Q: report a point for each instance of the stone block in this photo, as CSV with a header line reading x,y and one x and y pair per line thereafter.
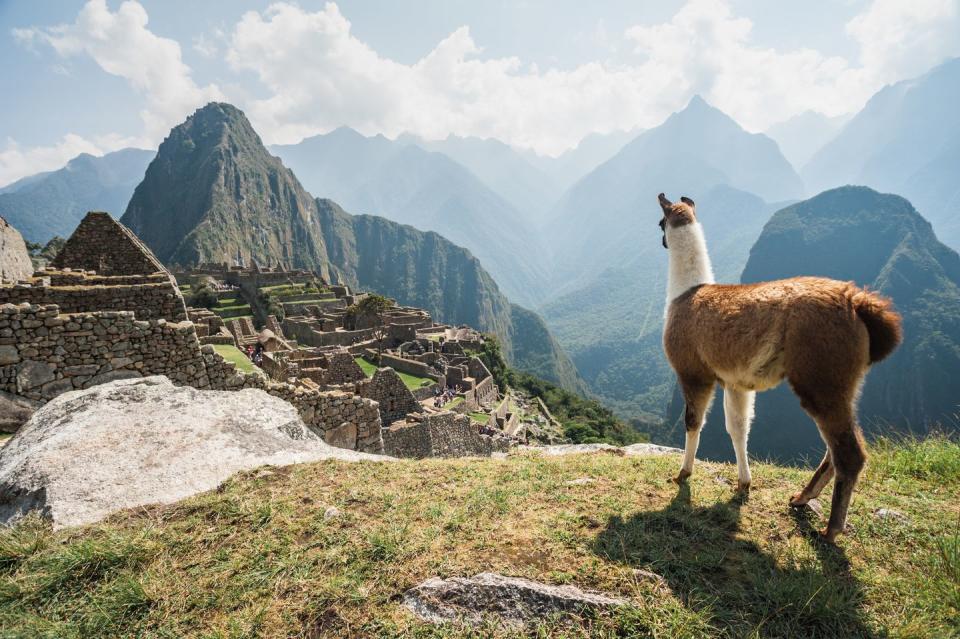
x,y
33,373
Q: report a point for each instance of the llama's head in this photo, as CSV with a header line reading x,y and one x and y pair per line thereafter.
x,y
676,215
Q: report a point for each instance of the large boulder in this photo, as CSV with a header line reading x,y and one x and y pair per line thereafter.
x,y
15,261
133,442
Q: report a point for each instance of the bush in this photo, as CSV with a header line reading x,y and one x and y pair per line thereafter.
x,y
202,297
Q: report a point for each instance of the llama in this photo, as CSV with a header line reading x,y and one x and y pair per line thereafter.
x,y
820,335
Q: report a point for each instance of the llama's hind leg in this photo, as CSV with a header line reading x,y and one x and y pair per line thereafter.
x,y
738,413
698,395
821,477
833,411
849,456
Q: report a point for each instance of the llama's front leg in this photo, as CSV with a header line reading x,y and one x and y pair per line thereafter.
x,y
698,396
738,413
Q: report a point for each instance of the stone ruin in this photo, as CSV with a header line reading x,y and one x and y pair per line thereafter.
x,y
107,309
71,328
317,342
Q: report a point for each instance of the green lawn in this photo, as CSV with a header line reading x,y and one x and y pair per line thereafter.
x,y
257,557
369,368
483,418
232,354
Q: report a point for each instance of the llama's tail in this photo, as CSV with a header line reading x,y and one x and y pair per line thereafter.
x,y
882,322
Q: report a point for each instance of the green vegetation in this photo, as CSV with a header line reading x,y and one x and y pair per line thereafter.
x,y
369,368
233,355
412,382
584,420
481,418
257,557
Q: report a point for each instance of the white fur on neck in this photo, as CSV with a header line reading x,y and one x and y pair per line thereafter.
x,y
689,261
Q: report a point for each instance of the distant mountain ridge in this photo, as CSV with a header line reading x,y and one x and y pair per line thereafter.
x,y
53,203
213,190
906,140
405,183
609,267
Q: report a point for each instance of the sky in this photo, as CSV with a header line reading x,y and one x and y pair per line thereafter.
x,y
92,76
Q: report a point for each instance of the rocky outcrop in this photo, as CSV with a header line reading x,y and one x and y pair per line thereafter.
x,y
14,409
129,443
633,450
14,259
514,601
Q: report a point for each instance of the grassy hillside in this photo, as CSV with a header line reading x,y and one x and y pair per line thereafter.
x,y
257,557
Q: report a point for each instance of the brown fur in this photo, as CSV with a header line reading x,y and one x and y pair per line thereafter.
x,y
820,335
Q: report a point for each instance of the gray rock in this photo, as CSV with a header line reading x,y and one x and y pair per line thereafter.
x,y
343,436
514,601
8,354
14,259
15,411
889,514
32,373
650,449
331,512
129,443
557,450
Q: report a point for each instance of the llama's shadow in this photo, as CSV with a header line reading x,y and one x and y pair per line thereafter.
x,y
744,591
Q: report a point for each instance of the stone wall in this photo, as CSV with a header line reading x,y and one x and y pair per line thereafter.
x,y
410,366
391,394
44,353
15,261
102,244
343,369
153,297
440,435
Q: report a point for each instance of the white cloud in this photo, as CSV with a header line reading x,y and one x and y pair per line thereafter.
x,y
318,75
17,162
122,45
321,76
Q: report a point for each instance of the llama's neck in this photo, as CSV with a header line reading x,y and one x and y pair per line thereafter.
x,y
689,261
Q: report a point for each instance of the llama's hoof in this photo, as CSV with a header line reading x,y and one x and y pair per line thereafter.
x,y
798,501
829,535
743,487
681,477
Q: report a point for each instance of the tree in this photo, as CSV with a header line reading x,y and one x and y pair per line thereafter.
x,y
370,312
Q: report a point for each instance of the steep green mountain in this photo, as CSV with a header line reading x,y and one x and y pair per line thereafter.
x,y
601,221
213,190
880,241
612,327
905,140
407,184
53,203
424,269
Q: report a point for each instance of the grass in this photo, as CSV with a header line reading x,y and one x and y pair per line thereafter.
x,y
369,368
256,557
412,382
233,355
482,418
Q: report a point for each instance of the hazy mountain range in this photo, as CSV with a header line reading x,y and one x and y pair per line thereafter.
x,y
405,183
53,203
213,191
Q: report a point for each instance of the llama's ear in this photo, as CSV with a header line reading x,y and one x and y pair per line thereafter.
x,y
664,202
688,201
